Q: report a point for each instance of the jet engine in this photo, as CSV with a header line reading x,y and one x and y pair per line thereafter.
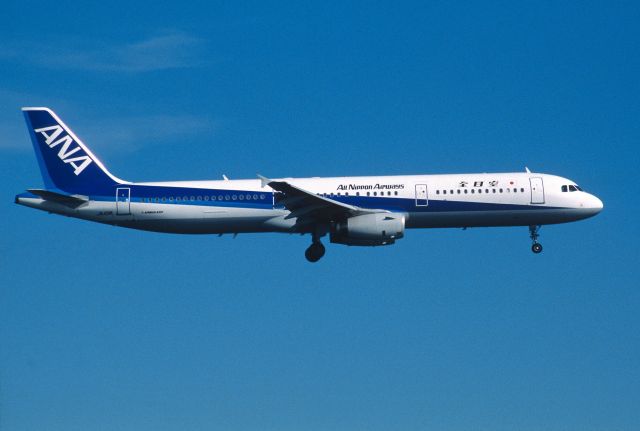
x,y
369,229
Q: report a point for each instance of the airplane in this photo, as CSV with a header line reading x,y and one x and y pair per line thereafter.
x,y
354,211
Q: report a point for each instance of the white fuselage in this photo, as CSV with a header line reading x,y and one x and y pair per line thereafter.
x,y
426,201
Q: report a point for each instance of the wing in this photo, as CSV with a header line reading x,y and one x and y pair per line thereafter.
x,y
308,206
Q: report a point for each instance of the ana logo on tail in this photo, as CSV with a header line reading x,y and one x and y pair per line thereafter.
x,y
79,161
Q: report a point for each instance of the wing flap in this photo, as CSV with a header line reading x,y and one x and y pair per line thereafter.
x,y
304,204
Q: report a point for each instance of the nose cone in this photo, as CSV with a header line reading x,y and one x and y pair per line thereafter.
x,y
592,205
597,203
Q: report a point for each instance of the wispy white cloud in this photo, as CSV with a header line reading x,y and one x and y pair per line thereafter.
x,y
117,135
104,133
166,51
13,137
13,132
128,134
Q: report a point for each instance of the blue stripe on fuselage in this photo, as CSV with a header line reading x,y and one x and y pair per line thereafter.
x,y
405,205
221,197
196,196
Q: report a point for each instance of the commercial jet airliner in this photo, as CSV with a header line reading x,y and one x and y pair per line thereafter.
x,y
358,211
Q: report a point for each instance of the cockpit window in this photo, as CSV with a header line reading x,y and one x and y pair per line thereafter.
x,y
578,187
564,188
572,188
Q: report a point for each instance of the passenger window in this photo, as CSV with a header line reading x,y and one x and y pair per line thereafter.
x,y
199,198
395,193
522,190
479,190
466,191
444,192
255,197
472,191
458,191
262,196
437,192
500,190
486,190
234,197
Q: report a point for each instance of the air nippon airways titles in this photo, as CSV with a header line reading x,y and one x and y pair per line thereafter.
x,y
357,211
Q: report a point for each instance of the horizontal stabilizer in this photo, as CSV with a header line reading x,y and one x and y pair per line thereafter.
x,y
69,200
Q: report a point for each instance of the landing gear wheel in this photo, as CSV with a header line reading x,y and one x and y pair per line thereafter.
x,y
315,252
533,234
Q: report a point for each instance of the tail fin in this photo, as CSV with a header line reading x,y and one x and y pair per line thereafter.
x,y
65,162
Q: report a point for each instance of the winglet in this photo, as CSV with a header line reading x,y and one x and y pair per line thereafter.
x,y
527,170
264,181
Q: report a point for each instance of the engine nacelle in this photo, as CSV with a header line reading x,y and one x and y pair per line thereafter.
x,y
369,229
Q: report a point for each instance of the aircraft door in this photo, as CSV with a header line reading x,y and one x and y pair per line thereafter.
x,y
123,201
537,190
422,199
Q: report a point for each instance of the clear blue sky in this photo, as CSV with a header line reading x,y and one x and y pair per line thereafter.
x,y
109,329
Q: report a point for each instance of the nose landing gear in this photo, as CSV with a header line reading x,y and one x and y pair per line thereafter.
x,y
536,247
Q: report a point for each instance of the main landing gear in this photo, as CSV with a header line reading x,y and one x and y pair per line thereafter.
x,y
536,247
316,250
